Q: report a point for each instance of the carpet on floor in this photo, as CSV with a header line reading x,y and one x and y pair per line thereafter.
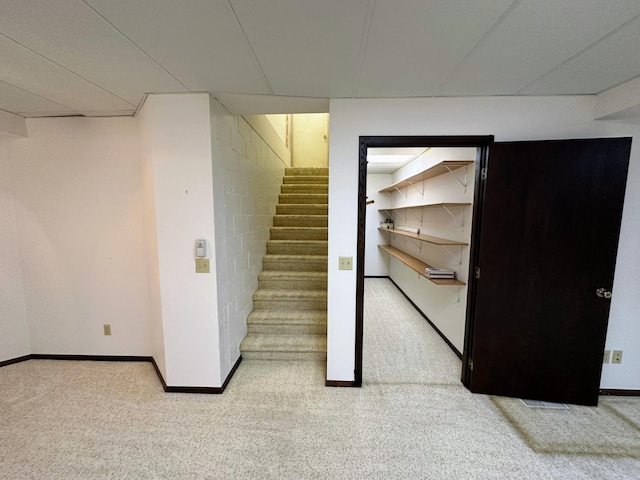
x,y
611,429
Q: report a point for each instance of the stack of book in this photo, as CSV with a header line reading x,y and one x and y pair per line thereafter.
x,y
439,273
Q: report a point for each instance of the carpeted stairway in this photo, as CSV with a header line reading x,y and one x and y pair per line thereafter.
x,y
289,318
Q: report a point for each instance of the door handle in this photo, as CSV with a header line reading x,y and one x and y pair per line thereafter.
x,y
603,293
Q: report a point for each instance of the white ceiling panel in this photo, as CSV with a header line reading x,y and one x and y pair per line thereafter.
x,y
29,71
306,47
73,35
611,62
537,36
413,45
198,41
27,104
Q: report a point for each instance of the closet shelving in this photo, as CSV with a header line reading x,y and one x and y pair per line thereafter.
x,y
417,265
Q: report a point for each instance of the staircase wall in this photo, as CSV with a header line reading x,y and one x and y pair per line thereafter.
x,y
248,165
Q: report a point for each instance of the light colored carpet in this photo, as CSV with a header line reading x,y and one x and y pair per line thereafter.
x,y
276,420
609,429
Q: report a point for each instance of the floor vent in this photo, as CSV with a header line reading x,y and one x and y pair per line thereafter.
x,y
541,404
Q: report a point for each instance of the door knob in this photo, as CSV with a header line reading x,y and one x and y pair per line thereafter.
x,y
603,293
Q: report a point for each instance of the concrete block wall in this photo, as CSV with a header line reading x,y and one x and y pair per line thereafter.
x,y
247,178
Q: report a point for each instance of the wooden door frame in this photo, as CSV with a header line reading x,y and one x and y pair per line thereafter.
x,y
481,143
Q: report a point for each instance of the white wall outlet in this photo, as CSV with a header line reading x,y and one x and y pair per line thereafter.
x,y
106,328
345,263
617,356
607,356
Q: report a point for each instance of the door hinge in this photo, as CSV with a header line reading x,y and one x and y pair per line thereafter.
x,y
471,364
483,174
477,272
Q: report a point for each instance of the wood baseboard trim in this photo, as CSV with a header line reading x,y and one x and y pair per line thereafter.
x,y
619,393
455,350
11,361
127,358
91,358
205,390
342,383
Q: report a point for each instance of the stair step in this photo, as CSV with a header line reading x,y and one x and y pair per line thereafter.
x,y
300,220
299,198
278,280
264,346
306,179
299,233
300,263
290,300
304,189
297,171
302,209
287,321
297,247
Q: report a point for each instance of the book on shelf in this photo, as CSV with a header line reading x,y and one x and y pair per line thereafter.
x,y
439,273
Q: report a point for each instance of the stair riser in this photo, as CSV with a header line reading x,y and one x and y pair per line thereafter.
x,y
287,329
292,198
287,233
297,356
306,180
290,304
298,266
300,221
296,249
307,209
305,189
313,171
292,284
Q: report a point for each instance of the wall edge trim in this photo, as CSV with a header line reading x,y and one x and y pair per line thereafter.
x,y
342,383
11,361
619,392
455,350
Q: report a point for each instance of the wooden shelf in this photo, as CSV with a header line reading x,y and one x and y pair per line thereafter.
x,y
417,265
423,238
424,205
438,169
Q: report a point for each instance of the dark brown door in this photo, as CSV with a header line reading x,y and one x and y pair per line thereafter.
x,y
548,227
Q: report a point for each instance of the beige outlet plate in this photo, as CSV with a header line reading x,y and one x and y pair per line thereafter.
x,y
607,356
616,356
202,265
106,328
345,263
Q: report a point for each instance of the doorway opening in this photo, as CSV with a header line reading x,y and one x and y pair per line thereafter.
x,y
408,246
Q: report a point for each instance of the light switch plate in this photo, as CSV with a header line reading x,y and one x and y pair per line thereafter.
x,y
202,265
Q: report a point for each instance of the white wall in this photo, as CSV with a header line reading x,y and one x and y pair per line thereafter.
x,y
309,142
376,263
78,210
14,329
247,174
177,141
507,118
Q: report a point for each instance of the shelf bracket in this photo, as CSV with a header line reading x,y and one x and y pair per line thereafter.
x,y
404,195
458,260
462,182
446,209
419,218
417,189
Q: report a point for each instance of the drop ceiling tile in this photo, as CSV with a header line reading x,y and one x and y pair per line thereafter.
x,y
611,62
198,42
73,35
27,104
29,71
306,48
537,36
414,45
